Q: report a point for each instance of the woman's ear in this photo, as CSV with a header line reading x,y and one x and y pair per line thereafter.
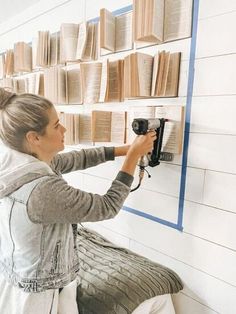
x,y
32,138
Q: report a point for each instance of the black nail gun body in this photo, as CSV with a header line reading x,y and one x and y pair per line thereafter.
x,y
142,126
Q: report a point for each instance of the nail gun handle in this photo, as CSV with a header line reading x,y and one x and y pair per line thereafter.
x,y
157,145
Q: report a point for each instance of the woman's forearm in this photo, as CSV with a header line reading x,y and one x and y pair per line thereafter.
x,y
121,150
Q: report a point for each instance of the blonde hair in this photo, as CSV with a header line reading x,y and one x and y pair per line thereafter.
x,y
20,114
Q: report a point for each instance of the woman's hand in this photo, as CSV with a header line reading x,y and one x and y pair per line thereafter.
x,y
142,145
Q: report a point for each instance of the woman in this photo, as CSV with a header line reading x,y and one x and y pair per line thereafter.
x,y
38,208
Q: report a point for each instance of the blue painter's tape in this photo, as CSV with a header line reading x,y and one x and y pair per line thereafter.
x,y
179,225
116,12
150,217
188,113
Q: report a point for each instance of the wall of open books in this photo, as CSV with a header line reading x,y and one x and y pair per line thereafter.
x,y
202,47
81,65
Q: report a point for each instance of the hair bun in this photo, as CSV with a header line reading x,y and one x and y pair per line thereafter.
x,y
5,96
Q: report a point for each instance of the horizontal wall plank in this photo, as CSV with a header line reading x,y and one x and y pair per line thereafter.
x,y
215,76
106,233
213,114
210,223
212,152
206,9
215,32
220,190
194,184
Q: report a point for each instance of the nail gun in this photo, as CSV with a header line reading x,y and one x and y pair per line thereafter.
x,y
141,126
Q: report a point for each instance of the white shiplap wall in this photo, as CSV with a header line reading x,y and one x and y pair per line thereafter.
x,y
204,254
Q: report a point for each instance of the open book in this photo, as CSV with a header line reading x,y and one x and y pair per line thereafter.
x,y
87,44
22,57
174,127
43,49
146,76
91,81
95,126
78,42
157,21
55,84
108,126
30,83
115,31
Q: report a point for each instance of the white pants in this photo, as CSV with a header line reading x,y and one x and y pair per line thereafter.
x,y
16,301
161,304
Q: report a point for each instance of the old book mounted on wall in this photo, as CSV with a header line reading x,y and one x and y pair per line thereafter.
x,y
115,31
158,21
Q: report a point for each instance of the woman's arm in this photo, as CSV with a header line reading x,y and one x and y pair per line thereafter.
x,y
85,158
53,200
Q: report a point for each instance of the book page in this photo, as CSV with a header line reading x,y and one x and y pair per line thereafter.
x,y
101,126
161,65
166,59
173,132
9,62
123,32
82,38
22,57
107,30
68,41
104,81
178,19
54,49
88,50
114,82
95,44
148,20
41,84
157,29
27,58
91,81
61,86
76,128
74,93
172,83
127,75
85,129
118,127
21,85
155,74
145,63
30,82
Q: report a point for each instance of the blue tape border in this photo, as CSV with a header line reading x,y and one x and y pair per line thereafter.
x,y
188,113
179,224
